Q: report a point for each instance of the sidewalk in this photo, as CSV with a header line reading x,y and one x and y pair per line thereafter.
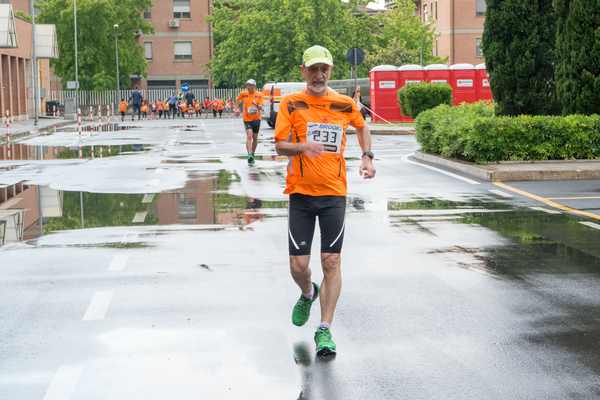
x,y
387,129
21,128
518,171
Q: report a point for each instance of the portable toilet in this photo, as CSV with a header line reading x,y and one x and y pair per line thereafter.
x,y
384,85
437,73
484,91
408,75
462,80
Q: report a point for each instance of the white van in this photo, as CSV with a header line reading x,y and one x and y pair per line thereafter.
x,y
272,94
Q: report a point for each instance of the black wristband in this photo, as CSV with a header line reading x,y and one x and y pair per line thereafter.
x,y
369,154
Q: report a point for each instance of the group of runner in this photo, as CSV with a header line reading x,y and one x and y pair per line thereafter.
x,y
183,106
311,130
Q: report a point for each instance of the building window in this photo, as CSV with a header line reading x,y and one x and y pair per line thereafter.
x,y
181,9
183,50
478,51
425,13
481,7
148,14
148,50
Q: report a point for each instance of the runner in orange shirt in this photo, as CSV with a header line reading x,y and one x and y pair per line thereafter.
x,y
251,102
123,105
311,131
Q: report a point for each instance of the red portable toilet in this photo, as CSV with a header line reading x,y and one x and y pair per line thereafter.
x,y
484,91
384,85
462,80
407,75
437,73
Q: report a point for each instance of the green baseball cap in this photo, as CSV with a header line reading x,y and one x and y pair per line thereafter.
x,y
317,55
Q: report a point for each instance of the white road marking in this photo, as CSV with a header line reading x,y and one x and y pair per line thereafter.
x,y
501,193
591,225
148,198
441,171
64,383
118,263
98,306
546,210
139,217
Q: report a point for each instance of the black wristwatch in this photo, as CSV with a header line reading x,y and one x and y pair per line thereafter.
x,y
369,154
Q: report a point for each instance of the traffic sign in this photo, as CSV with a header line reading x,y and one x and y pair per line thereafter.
x,y
185,87
355,56
72,85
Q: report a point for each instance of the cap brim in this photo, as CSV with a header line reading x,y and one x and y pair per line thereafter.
x,y
318,61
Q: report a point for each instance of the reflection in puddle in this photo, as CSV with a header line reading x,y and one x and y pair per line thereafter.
x,y
203,201
29,152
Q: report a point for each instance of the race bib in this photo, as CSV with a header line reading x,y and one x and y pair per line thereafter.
x,y
329,135
252,110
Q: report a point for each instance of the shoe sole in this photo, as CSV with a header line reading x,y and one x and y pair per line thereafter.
x,y
326,354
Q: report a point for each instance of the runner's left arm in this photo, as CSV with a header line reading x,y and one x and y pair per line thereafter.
x,y
363,134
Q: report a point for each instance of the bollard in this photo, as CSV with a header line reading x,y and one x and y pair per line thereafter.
x,y
79,121
54,111
7,121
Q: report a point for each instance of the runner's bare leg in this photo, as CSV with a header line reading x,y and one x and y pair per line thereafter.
x,y
254,142
249,140
299,267
331,286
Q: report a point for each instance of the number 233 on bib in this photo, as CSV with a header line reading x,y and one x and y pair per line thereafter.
x,y
329,135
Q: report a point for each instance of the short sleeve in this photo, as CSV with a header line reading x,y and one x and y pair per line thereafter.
x,y
283,126
261,99
240,98
355,118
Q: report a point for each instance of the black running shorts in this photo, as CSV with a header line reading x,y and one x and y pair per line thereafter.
x,y
304,210
254,125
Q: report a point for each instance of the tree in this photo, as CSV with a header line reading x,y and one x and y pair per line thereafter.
x,y
264,39
518,45
578,55
96,43
403,38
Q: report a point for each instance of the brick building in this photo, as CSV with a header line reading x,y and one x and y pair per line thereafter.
x,y
458,25
181,46
16,87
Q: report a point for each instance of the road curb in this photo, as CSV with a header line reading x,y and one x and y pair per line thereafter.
x,y
517,171
386,132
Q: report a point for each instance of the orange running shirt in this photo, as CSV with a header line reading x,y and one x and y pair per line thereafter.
x,y
123,106
251,103
304,118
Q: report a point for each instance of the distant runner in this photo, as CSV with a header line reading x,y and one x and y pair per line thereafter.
x,y
311,131
251,103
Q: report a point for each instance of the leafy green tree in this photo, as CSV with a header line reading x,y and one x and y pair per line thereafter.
x,y
96,39
578,55
264,39
403,38
518,45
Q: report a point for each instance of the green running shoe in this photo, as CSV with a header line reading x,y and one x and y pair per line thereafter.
x,y
250,159
325,344
301,310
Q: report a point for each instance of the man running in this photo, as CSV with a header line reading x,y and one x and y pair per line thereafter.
x,y
311,131
251,103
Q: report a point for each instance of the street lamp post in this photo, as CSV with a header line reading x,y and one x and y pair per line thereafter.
x,y
116,27
76,57
34,69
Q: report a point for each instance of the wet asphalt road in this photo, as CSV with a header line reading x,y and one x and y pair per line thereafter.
x,y
178,287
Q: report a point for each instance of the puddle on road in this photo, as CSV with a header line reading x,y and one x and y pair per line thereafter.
x,y
539,242
37,152
89,126
203,201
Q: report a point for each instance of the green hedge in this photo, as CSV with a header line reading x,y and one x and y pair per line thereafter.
x,y
471,132
414,99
